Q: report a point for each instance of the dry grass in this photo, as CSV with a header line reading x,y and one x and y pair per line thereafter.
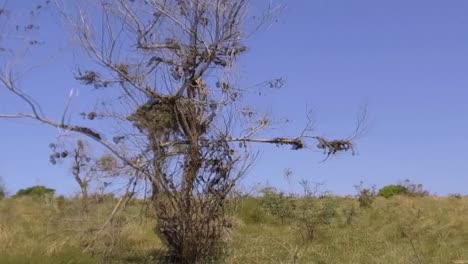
x,y
396,230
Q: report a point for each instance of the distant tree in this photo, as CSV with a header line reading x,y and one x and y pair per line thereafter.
x,y
35,191
80,163
85,168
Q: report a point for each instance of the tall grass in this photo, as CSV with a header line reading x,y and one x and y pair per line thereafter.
x,y
395,230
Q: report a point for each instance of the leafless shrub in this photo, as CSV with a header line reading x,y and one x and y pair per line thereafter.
x,y
169,61
414,189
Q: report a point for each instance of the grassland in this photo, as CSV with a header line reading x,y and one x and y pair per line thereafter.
x,y
395,230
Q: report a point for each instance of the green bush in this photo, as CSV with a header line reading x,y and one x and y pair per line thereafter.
x,y
277,204
392,190
314,213
35,191
406,188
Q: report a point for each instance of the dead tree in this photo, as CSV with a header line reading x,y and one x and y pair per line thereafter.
x,y
81,165
169,62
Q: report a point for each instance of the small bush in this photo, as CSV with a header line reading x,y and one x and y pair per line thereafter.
x,y
350,215
406,188
60,202
313,213
414,190
2,190
392,190
35,191
455,195
365,196
277,204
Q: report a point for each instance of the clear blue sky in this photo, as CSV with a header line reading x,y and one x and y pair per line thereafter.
x,y
408,60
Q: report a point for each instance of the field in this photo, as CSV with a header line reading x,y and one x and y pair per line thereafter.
x,y
395,230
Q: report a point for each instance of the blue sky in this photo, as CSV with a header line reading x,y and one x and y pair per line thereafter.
x,y
407,60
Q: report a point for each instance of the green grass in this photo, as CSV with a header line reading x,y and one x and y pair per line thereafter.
x,y
395,230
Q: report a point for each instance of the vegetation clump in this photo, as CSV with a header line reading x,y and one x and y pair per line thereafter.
x,y
392,190
406,188
277,204
365,196
313,214
37,191
2,191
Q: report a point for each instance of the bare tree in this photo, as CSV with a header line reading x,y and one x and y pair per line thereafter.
x,y
81,166
86,168
169,62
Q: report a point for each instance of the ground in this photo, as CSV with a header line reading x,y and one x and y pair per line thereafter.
x,y
395,230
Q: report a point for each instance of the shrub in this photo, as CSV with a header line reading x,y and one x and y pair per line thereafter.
x,y
414,190
277,204
35,191
455,195
60,202
392,190
405,188
2,190
313,213
365,196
